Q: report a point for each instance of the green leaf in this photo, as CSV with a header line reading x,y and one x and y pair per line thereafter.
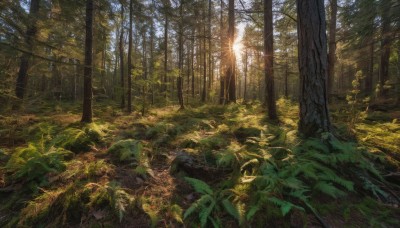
x,y
231,209
199,185
252,211
328,189
197,205
205,213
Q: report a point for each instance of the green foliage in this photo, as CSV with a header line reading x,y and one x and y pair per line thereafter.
x,y
114,196
242,133
80,140
150,211
214,142
354,100
199,186
131,150
289,177
209,204
33,163
126,150
61,206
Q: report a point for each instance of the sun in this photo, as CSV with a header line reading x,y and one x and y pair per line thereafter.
x,y
237,47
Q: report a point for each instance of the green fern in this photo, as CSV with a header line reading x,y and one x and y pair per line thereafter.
x,y
231,209
201,202
200,186
32,163
131,150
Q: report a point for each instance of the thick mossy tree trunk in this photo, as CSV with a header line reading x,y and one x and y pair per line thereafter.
x,y
314,116
269,60
31,31
87,73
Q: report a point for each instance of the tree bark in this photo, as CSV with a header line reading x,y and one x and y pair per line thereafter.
x,y
204,92
385,47
332,48
88,70
222,59
180,50
121,58
245,75
210,67
151,70
231,79
286,78
269,60
31,31
166,25
130,67
370,74
314,115
192,61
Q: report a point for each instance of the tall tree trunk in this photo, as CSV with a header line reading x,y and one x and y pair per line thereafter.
x,y
210,67
152,60
314,116
188,71
286,77
180,50
130,67
269,60
222,59
232,58
192,57
385,47
121,58
204,52
370,74
332,47
88,70
144,65
245,74
31,32
164,90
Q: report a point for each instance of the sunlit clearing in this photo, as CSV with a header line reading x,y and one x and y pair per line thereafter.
x,y
237,47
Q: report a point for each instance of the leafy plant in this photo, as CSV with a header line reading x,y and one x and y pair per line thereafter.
x,y
130,150
209,202
33,163
75,200
353,100
79,140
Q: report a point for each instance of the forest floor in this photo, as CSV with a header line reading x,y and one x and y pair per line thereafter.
x,y
207,165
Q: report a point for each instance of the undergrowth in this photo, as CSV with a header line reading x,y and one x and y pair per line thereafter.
x,y
253,172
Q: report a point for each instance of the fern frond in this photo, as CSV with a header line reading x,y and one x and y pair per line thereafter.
x,y
199,185
201,202
285,206
231,209
205,213
329,189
